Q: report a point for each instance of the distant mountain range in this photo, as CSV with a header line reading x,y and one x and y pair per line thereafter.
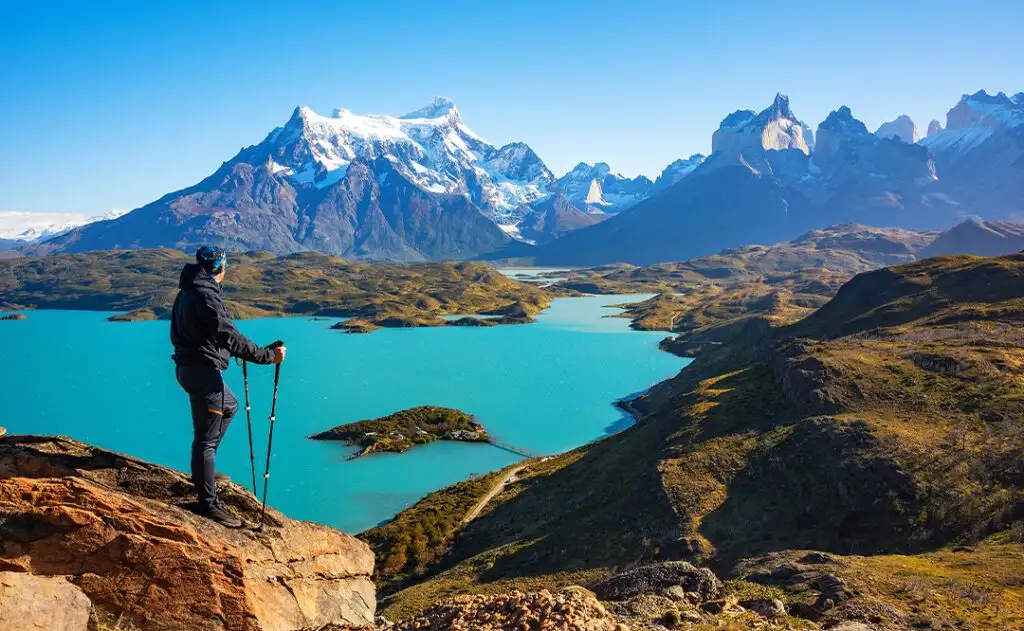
x,y
415,187
425,186
770,179
19,228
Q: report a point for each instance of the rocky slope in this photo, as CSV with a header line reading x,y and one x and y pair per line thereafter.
x,y
983,238
673,595
884,430
91,537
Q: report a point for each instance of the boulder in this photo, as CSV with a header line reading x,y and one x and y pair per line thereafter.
x,y
657,578
765,607
42,602
121,531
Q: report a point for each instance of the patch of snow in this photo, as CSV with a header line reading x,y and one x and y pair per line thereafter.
x,y
957,140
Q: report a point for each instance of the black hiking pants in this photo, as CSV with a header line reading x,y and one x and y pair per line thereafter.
x,y
213,407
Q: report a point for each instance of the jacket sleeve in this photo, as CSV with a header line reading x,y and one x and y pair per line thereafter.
x,y
227,336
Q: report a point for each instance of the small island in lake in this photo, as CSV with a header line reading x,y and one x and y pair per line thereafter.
x,y
404,429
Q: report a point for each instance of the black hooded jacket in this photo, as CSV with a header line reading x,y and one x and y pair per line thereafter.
x,y
201,329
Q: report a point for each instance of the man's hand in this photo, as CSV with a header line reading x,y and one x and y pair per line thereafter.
x,y
279,353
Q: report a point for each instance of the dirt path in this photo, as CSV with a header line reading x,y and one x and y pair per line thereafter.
x,y
498,488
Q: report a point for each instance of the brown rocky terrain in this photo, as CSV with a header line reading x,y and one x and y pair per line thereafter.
x,y
673,595
91,539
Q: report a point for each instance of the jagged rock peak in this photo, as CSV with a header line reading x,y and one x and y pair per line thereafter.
x,y
842,121
901,128
742,134
780,106
934,127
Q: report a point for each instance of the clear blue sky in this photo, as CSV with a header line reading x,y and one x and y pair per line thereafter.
x,y
112,104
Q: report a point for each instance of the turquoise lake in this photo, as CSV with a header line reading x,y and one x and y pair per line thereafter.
x,y
547,387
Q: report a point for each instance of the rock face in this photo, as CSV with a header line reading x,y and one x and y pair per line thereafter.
x,y
934,127
119,530
902,128
42,602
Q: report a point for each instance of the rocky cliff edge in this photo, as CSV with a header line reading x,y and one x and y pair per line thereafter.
x,y
110,542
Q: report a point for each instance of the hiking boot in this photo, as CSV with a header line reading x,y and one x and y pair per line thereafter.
x,y
222,516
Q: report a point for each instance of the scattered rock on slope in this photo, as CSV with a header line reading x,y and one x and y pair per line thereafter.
x,y
119,530
574,609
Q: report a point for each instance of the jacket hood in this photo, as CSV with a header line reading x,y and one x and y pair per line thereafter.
x,y
193,275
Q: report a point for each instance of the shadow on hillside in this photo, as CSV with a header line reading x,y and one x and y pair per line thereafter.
x,y
607,508
826,485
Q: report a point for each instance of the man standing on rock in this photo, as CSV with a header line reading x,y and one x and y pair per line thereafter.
x,y
204,341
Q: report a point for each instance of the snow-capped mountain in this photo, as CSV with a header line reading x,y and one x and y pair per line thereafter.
x,y
744,135
974,120
979,156
29,227
598,189
425,186
902,127
431,147
413,187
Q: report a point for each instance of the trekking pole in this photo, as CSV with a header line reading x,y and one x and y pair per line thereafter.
x,y
248,424
270,437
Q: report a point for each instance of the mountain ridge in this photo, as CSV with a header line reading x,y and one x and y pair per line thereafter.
x,y
424,186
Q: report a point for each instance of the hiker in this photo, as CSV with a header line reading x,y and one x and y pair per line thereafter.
x,y
204,340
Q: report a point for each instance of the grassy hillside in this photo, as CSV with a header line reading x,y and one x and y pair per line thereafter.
x,y
711,299
258,284
886,429
844,250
